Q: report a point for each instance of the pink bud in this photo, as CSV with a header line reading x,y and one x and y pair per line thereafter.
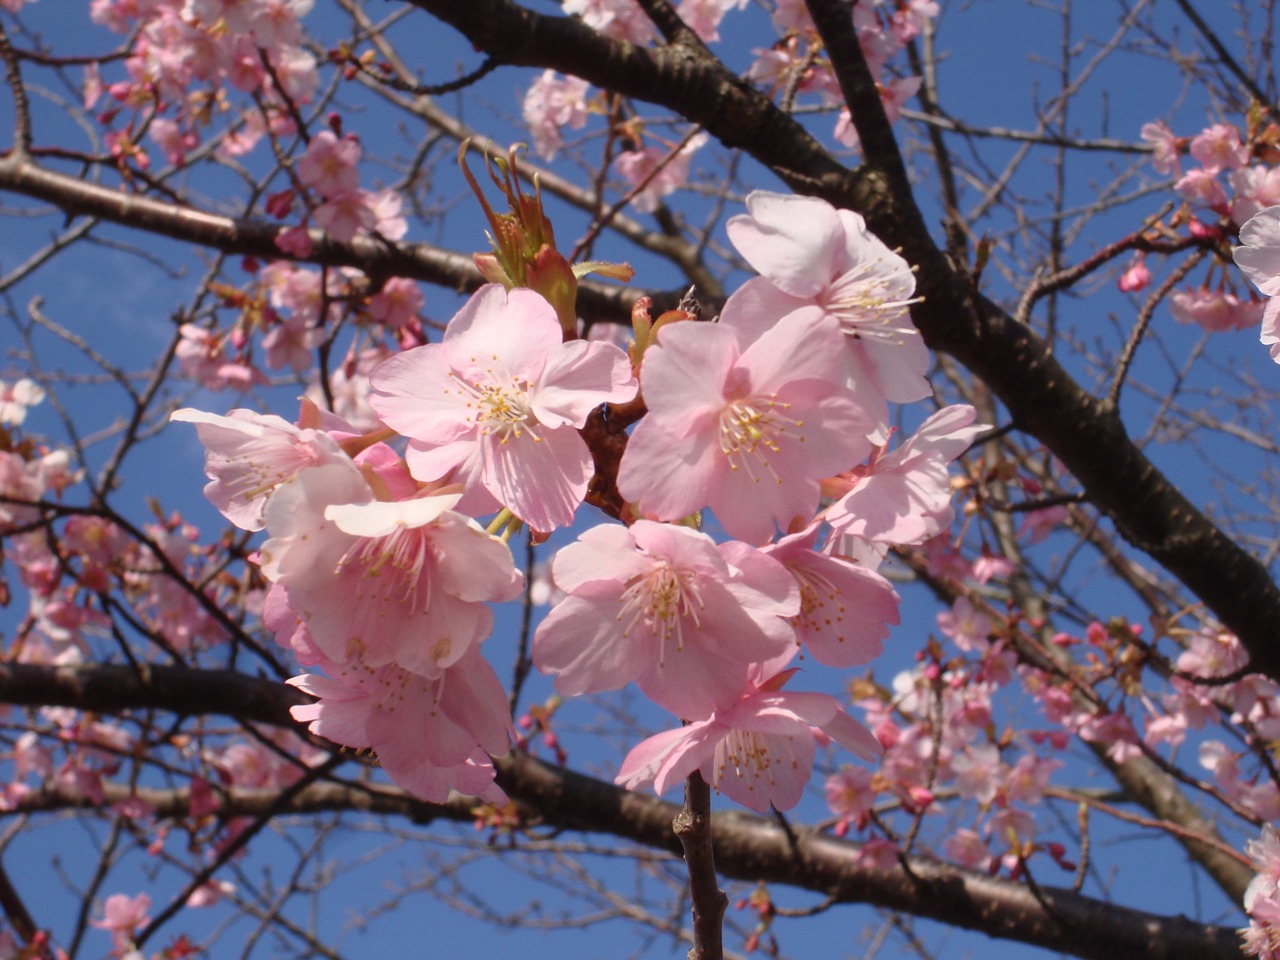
x,y
1137,276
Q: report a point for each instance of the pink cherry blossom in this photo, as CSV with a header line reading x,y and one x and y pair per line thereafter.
x,y
551,104
291,343
397,303
817,260
662,606
275,23
966,625
430,735
850,796
966,848
909,19
1202,187
16,397
1137,276
1038,524
386,206
704,16
660,173
1256,188
1165,149
345,215
248,455
759,751
500,401
893,97
748,432
329,165
621,19
990,565
1258,255
1259,258
379,582
122,915
845,610
1215,310
905,496
1219,148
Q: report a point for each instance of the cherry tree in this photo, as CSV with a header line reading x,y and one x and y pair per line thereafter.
x,y
766,477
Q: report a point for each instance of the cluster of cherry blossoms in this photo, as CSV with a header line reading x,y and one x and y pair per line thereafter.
x,y
774,419
1233,175
794,65
187,55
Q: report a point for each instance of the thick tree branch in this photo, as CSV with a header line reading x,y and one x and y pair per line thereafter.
x,y
746,847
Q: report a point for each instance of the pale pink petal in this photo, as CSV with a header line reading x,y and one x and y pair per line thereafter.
x,y
505,331
693,681
645,760
414,394
542,479
670,480
1259,257
603,553
684,373
795,241
578,378
804,346
580,644
757,305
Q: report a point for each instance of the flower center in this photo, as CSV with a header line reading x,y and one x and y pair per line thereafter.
x,y
501,407
392,567
750,431
746,754
662,600
872,300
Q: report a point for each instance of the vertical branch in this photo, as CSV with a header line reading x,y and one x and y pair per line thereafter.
x,y
692,826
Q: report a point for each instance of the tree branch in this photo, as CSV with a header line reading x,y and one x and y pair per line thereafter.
x,y
746,847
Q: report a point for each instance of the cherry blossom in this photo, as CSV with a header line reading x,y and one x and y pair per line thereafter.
x,y
248,455
704,16
380,582
759,751
749,432
1215,310
1258,256
1256,188
552,103
905,496
816,260
122,915
662,606
660,173
345,215
622,19
1219,148
16,397
430,735
500,401
397,303
1165,146
1136,276
850,796
845,609
1202,187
